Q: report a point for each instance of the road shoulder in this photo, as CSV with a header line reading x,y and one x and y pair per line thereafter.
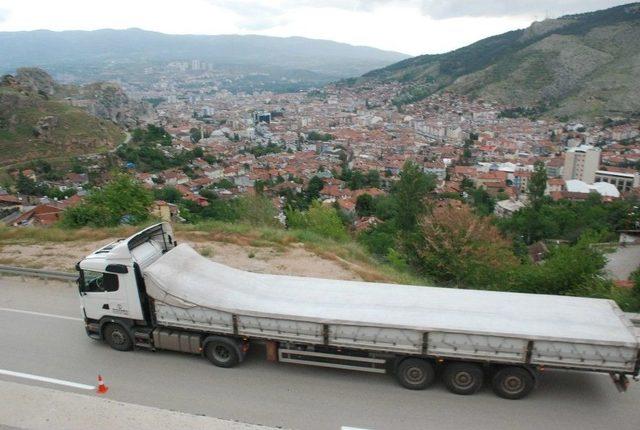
x,y
35,408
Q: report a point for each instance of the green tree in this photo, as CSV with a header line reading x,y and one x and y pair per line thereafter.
x,y
313,189
537,184
567,270
257,210
410,193
224,183
168,194
364,205
123,200
321,219
461,247
482,201
25,185
195,134
373,178
357,180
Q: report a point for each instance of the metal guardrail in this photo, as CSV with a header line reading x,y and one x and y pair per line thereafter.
x,y
37,273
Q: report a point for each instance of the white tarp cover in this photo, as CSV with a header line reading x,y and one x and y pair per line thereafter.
x,y
184,278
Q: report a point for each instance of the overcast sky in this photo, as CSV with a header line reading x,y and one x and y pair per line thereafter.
x,y
411,26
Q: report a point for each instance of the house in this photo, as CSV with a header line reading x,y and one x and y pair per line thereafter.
x,y
506,208
187,194
347,205
76,179
175,177
43,214
7,201
365,223
555,185
146,179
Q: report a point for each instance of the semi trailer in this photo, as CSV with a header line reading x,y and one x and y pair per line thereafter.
x,y
148,292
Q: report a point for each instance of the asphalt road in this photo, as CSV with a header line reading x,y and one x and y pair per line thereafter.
x,y
290,396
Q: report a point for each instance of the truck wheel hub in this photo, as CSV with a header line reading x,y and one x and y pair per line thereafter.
x,y
463,380
512,384
415,375
221,353
117,337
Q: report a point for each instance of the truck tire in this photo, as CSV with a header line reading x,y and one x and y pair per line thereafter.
x,y
222,352
463,378
117,337
513,382
415,373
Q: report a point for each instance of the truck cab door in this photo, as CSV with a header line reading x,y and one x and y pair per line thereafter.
x,y
101,294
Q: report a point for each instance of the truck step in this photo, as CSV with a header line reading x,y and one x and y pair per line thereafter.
x,y
143,338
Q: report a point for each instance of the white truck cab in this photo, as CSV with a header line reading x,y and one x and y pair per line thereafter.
x,y
110,278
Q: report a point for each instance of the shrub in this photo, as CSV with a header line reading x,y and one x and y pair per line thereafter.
x,y
123,200
320,219
257,211
455,245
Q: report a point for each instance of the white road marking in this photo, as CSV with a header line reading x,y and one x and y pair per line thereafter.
x,y
40,314
46,379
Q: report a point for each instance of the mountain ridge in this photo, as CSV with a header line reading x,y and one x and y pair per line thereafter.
x,y
583,64
43,48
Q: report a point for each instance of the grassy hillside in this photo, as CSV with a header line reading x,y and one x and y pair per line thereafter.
x,y
32,126
583,65
349,255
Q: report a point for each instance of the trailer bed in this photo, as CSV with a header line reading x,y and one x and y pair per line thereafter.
x,y
193,292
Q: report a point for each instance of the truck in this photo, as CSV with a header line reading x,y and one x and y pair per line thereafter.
x,y
148,292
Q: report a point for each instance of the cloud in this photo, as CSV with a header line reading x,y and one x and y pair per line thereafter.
x,y
4,14
436,9
442,9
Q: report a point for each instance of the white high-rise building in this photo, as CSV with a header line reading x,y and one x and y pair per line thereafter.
x,y
581,162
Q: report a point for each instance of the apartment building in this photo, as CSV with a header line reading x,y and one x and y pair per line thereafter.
x,y
581,162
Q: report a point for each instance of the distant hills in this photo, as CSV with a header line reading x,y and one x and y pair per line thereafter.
x,y
73,50
38,118
582,65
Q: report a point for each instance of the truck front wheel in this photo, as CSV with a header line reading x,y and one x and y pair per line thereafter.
x,y
117,337
222,353
513,382
415,373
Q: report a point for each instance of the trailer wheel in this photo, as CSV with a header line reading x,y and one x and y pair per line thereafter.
x,y
415,373
513,382
463,378
117,337
222,353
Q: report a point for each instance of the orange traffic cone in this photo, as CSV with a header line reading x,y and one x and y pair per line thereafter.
x,y
101,387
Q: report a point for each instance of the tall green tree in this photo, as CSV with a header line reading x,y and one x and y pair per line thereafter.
x,y
313,189
537,184
364,205
409,193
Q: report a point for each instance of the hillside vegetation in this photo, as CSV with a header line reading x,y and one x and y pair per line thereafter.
x,y
36,124
419,236
579,65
